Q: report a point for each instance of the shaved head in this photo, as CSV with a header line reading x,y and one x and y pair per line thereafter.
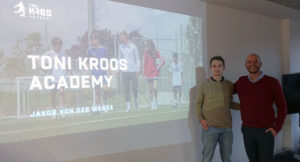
x,y
253,63
254,55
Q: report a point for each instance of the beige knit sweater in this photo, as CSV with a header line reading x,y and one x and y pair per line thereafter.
x,y
213,103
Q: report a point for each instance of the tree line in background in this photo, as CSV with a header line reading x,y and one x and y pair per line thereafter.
x,y
15,64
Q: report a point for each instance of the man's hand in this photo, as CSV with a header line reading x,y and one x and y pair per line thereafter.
x,y
274,133
204,124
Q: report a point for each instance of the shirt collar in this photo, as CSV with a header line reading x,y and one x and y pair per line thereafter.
x,y
257,79
211,78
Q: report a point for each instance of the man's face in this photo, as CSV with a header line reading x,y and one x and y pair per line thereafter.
x,y
217,68
253,64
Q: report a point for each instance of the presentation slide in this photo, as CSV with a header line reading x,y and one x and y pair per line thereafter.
x,y
76,66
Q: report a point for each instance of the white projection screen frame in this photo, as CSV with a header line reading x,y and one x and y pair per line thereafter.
x,y
80,120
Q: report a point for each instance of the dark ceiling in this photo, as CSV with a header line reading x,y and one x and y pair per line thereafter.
x,y
295,4
279,9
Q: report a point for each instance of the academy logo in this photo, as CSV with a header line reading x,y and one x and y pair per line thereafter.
x,y
20,9
32,11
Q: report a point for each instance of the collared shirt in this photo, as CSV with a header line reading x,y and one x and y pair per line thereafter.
x,y
212,78
257,79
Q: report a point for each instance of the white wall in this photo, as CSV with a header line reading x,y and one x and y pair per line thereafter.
x,y
285,40
295,46
234,34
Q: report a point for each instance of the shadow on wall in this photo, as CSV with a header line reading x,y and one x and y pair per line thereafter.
x,y
194,125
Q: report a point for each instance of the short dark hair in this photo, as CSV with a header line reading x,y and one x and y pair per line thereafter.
x,y
218,58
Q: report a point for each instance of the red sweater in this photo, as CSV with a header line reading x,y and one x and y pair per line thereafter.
x,y
257,100
151,68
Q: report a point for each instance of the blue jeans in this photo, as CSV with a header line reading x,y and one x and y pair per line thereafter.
x,y
211,137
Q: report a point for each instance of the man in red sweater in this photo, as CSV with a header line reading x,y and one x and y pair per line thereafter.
x,y
257,93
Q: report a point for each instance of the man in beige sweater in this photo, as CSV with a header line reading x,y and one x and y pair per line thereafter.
x,y
213,104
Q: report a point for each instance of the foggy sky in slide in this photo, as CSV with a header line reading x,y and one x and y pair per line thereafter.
x,y
69,20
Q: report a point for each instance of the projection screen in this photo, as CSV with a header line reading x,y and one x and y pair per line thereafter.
x,y
77,66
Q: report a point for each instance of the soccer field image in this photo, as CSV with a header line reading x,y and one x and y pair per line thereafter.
x,y
13,130
98,69
29,114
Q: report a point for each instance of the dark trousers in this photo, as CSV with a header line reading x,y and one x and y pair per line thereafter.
x,y
130,79
259,145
